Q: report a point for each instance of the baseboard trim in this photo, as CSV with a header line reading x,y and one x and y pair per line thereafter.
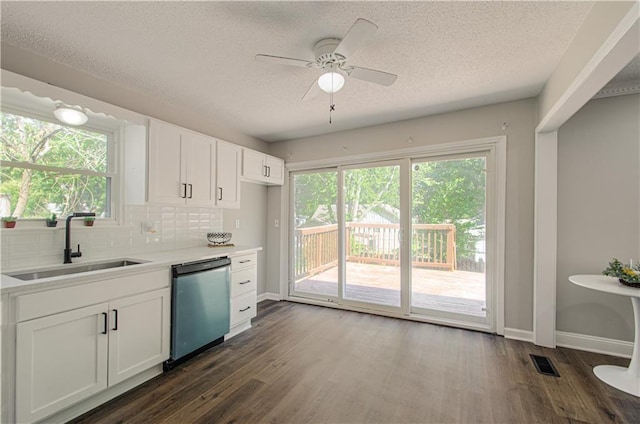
x,y
515,334
268,296
594,344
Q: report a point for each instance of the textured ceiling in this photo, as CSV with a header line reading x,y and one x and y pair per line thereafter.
x,y
200,55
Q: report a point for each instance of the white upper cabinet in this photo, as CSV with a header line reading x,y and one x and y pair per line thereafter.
x,y
198,169
188,168
165,164
262,168
228,158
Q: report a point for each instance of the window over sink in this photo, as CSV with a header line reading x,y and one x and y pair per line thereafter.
x,y
51,168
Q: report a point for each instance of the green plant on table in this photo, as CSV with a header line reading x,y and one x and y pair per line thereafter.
x,y
9,219
627,273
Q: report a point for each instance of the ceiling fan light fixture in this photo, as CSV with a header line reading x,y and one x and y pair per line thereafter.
x,y
70,115
330,82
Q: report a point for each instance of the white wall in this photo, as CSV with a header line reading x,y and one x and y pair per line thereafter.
x,y
253,224
598,212
467,124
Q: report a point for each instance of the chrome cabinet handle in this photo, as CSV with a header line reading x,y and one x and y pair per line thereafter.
x,y
245,261
264,170
245,309
245,282
268,171
190,191
220,188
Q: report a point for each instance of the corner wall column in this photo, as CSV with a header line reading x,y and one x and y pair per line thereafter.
x,y
545,238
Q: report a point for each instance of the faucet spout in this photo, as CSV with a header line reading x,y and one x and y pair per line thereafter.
x,y
68,253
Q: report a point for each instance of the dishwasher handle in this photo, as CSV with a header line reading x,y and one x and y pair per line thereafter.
x,y
199,266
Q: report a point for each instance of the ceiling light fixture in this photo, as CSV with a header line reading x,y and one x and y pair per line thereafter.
x,y
70,115
330,82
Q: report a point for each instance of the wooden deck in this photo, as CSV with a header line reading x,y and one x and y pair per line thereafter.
x,y
451,291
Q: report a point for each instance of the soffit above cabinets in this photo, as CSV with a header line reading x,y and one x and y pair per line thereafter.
x,y
199,56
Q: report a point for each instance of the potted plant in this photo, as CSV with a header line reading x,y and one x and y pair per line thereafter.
x,y
52,220
89,220
9,221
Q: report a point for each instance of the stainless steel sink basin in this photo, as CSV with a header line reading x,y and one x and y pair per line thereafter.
x,y
47,273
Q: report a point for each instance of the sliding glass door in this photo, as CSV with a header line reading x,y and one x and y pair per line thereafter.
x,y
315,235
349,246
448,238
371,212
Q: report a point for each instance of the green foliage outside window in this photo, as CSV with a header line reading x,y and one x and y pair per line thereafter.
x,y
443,192
50,168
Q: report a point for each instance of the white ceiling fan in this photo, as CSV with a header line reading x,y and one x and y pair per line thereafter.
x,y
331,56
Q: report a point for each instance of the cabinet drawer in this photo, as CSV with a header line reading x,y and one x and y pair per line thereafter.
x,y
243,308
244,261
243,281
48,302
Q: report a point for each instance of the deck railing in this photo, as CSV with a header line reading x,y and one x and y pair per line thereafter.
x,y
316,248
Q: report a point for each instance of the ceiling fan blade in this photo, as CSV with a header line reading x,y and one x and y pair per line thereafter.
x,y
282,60
358,34
312,92
370,75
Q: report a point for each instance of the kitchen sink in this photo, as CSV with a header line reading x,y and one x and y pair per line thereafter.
x,y
56,272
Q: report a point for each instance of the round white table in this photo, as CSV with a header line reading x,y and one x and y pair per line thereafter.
x,y
625,379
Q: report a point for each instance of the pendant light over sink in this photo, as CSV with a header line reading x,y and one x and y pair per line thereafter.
x,y
70,115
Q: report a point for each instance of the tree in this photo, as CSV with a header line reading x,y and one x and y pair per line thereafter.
x,y
38,192
453,192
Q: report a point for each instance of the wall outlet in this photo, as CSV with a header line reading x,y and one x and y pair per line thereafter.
x,y
237,224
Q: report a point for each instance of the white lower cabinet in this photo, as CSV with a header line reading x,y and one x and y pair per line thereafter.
x,y
244,275
137,336
66,357
60,359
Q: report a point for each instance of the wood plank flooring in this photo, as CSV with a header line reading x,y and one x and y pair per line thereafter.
x,y
308,364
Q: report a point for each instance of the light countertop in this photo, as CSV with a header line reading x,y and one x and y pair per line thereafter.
x,y
150,261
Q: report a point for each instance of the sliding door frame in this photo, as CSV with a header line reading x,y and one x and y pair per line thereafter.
x,y
497,146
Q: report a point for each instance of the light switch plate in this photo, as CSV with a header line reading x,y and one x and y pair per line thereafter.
x,y
237,224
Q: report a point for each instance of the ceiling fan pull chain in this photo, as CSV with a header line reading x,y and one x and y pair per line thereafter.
x,y
332,105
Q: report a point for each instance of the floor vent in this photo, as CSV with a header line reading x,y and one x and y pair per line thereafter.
x,y
544,365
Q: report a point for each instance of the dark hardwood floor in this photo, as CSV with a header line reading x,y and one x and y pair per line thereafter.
x,y
309,364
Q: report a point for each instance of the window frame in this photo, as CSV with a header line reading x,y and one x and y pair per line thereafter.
x,y
114,136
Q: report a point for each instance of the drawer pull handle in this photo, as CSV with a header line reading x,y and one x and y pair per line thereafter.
x,y
245,261
245,282
106,325
245,309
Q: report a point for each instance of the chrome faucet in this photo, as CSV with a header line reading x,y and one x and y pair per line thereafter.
x,y
68,253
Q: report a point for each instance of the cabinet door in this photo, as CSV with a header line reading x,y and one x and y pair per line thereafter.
x,y
60,360
275,170
166,164
200,162
228,175
253,166
138,333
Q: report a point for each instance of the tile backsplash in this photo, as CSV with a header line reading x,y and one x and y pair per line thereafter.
x,y
165,228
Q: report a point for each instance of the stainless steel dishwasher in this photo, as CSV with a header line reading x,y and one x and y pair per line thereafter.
x,y
200,307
